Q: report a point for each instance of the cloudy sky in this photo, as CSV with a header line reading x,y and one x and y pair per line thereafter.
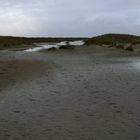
x,y
69,17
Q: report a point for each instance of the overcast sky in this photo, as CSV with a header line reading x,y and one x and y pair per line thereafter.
x,y
69,17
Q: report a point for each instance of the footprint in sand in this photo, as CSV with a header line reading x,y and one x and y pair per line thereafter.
x,y
111,132
16,111
32,99
41,116
117,111
138,125
7,135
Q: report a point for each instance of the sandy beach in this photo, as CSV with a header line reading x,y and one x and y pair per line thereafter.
x,y
90,93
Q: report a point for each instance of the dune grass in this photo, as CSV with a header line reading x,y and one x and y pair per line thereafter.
x,y
113,39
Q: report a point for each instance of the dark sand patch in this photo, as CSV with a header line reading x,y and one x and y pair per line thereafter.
x,y
19,70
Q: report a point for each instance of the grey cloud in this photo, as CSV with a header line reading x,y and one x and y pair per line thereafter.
x,y
69,18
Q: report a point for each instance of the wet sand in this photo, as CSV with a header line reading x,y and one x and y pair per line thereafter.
x,y
82,94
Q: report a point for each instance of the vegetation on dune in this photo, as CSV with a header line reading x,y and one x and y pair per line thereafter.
x,y
8,41
113,39
119,41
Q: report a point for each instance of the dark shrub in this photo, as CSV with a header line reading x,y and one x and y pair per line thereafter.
x,y
119,46
67,47
130,48
52,49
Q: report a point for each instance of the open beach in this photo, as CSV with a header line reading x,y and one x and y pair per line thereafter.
x,y
89,93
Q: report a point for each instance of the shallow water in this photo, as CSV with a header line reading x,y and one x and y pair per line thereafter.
x,y
136,65
42,47
56,45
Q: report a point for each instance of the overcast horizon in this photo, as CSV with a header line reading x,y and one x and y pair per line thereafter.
x,y
66,18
